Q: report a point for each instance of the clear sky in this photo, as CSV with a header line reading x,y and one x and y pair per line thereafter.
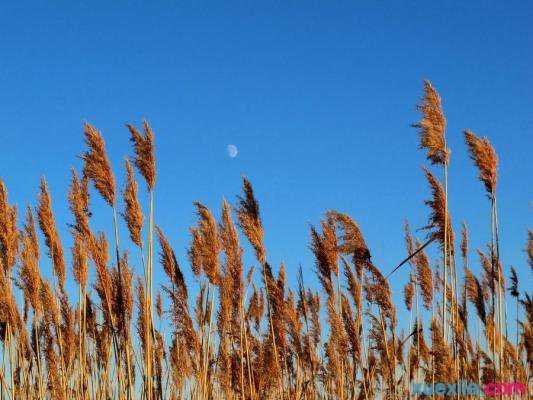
x,y
317,96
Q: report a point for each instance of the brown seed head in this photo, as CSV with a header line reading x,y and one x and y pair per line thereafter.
x,y
256,308
423,273
49,302
474,293
233,267
80,260
78,198
133,213
205,245
170,264
122,296
377,290
439,219
30,276
351,241
104,281
142,319
323,260
143,145
432,126
408,293
48,227
31,233
513,289
97,167
485,158
9,234
424,277
250,220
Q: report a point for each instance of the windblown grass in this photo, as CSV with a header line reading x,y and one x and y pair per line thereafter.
x,y
242,339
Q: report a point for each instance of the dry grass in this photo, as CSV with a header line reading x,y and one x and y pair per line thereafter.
x,y
238,339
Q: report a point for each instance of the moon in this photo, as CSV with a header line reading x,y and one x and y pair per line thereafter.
x,y
232,150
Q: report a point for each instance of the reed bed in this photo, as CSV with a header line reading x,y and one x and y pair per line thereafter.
x,y
243,333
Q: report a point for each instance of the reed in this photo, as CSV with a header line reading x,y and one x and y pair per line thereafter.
x,y
225,334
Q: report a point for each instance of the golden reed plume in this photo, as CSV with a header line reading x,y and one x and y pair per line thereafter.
x,y
485,158
133,213
439,219
143,145
250,220
52,239
97,167
9,234
432,126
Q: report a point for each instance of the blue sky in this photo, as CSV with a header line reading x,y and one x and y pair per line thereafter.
x,y
317,96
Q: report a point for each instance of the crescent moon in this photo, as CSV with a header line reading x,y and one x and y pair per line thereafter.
x,y
232,150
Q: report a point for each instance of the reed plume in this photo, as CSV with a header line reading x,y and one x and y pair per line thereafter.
x,y
142,319
485,158
408,293
432,126
378,291
31,232
9,234
52,239
474,293
104,282
143,145
80,259
351,241
442,354
205,246
78,198
250,220
439,219
229,242
325,248
133,213
170,264
178,295
122,301
423,273
96,164
30,275
256,308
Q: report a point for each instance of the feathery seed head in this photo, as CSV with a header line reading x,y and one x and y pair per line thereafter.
x,y
143,145
48,227
486,160
250,220
9,234
439,218
80,260
97,166
78,198
30,277
133,212
432,126
205,246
